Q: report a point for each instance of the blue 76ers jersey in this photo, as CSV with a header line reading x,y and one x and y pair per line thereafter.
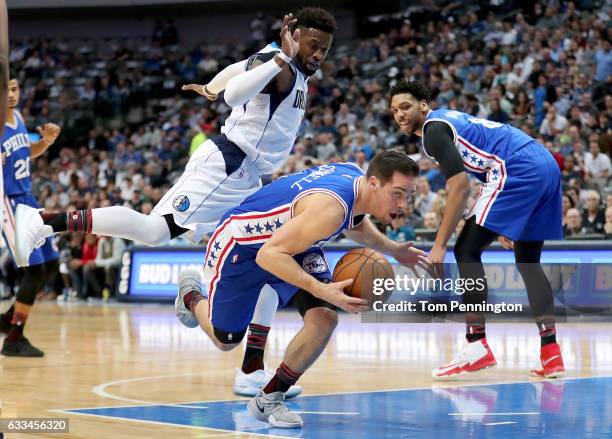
x,y
254,221
16,150
484,145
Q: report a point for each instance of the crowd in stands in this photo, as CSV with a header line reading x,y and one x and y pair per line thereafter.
x,y
128,130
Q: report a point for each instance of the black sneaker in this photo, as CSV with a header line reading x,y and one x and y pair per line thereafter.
x,y
4,327
20,348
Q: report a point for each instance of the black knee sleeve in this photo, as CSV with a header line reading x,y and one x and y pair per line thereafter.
x,y
539,292
472,241
31,283
227,337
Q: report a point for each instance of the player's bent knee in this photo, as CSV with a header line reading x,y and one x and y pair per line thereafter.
x,y
325,319
227,340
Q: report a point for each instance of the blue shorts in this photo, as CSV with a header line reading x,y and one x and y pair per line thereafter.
x,y
48,251
234,280
522,197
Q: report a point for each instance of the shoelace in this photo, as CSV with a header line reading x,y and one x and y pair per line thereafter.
x,y
39,237
461,356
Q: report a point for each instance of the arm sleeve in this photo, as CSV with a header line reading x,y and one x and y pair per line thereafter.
x,y
243,87
438,141
219,82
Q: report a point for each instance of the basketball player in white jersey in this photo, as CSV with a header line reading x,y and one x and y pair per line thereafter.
x,y
268,100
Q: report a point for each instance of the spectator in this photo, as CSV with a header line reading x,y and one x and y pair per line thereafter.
x,y
597,166
594,217
573,224
108,257
553,124
608,225
431,221
497,114
424,197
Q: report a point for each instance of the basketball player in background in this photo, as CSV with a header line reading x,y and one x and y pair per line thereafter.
x,y
274,237
17,150
4,78
267,93
520,204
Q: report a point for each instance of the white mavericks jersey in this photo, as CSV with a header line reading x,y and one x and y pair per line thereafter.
x,y
265,127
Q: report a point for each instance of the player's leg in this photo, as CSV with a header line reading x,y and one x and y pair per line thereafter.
x,y
320,320
252,376
476,354
544,223
15,343
541,301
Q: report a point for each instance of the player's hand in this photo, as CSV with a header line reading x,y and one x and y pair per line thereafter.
x,y
436,258
49,132
290,43
201,90
334,294
412,257
506,243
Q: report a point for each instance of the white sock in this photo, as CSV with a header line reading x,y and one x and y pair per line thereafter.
x,y
266,307
123,222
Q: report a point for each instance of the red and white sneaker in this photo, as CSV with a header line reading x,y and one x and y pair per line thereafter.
x,y
552,362
473,357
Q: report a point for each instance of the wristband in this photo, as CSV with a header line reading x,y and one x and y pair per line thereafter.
x,y
284,57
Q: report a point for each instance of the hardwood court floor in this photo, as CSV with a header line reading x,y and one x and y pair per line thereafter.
x,y
119,355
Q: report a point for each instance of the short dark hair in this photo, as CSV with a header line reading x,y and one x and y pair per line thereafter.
x,y
317,18
386,163
13,74
415,88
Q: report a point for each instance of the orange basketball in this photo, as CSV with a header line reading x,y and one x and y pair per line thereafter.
x,y
369,270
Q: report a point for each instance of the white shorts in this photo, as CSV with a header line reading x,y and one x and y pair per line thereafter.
x,y
218,177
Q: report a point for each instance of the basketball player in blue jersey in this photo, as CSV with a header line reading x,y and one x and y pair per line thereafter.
x,y
4,79
17,150
274,237
519,203
267,93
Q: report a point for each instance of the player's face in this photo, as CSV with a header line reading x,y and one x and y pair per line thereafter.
x,y
13,94
408,112
393,197
314,45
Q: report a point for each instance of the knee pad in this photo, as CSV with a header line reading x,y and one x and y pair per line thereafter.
x,y
229,338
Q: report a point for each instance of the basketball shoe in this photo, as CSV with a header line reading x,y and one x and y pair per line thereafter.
x,y
30,233
250,384
189,280
271,408
552,362
472,357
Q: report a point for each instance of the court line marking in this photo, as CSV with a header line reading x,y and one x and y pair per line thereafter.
x,y
73,412
494,414
326,413
100,389
531,381
167,424
501,423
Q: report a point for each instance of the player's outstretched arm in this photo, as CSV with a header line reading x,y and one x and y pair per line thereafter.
x,y
216,85
48,134
369,236
4,73
272,75
317,216
438,141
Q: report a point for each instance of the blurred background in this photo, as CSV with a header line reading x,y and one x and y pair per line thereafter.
x,y
109,72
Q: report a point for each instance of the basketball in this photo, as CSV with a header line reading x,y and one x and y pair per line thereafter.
x,y
367,268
